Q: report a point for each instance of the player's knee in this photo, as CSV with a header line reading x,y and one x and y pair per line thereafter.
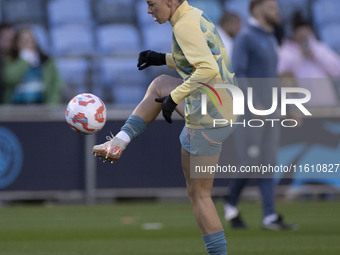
x,y
161,79
157,85
197,193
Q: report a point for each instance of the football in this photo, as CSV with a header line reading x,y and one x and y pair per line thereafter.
x,y
86,114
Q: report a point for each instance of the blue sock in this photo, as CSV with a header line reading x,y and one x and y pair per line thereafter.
x,y
215,243
134,126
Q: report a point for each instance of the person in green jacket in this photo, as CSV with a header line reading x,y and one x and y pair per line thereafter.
x,y
6,39
29,75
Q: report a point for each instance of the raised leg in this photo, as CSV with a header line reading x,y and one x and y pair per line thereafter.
x,y
146,112
148,109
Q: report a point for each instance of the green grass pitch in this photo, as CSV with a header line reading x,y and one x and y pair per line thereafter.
x,y
120,229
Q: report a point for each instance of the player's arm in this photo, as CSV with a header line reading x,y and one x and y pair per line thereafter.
x,y
196,50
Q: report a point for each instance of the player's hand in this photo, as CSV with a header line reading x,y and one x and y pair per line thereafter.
x,y
150,58
168,106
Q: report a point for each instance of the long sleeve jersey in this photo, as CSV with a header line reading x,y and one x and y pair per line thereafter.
x,y
200,58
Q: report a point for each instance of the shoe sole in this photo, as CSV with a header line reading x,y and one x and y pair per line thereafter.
x,y
111,155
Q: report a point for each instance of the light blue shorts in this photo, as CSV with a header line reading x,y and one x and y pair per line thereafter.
x,y
204,142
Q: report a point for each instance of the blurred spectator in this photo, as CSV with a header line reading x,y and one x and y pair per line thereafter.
x,y
228,28
255,65
303,56
30,76
6,38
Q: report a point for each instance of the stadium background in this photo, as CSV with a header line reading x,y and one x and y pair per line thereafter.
x,y
95,44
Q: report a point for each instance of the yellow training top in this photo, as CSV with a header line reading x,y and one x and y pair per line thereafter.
x,y
199,56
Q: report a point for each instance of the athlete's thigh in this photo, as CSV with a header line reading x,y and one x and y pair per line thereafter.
x,y
198,182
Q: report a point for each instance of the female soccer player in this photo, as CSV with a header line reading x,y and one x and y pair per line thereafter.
x,y
200,58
